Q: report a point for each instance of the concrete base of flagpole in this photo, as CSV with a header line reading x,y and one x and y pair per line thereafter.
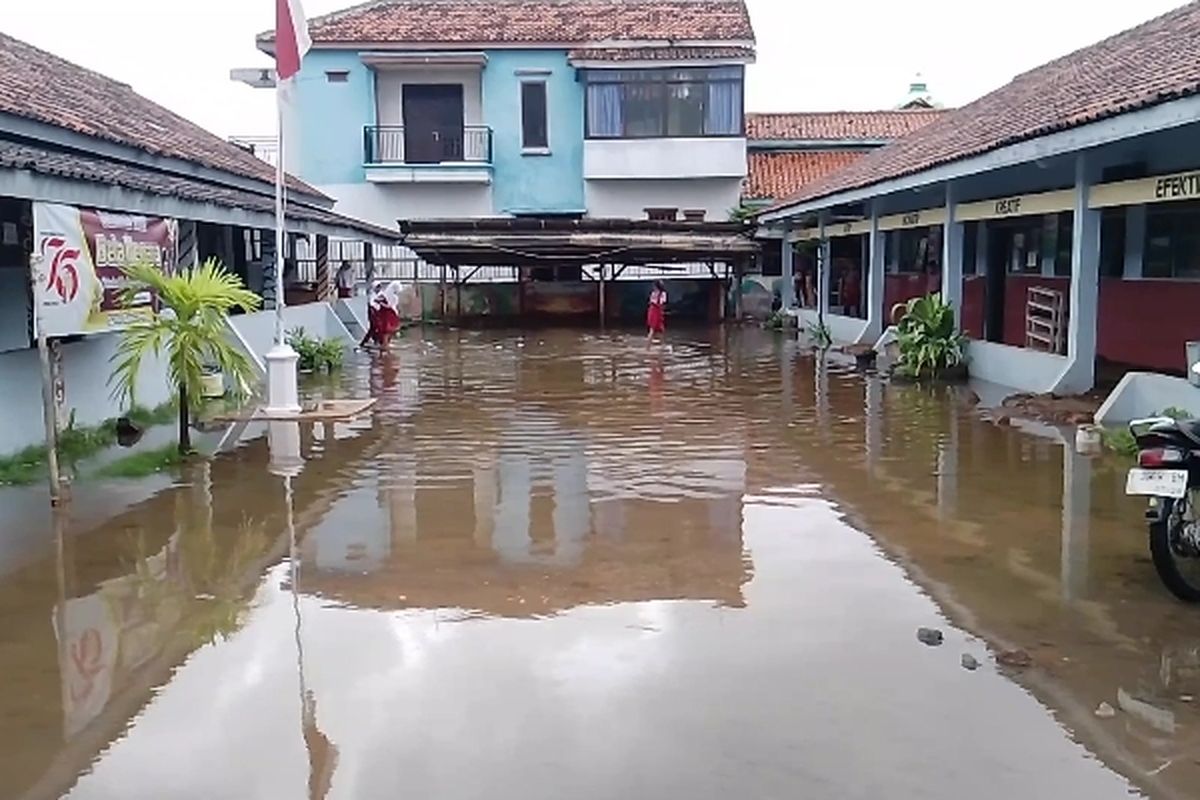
x,y
283,394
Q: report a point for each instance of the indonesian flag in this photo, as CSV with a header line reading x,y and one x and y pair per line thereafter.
x,y
291,38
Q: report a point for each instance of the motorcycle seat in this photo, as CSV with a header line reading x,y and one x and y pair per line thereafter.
x,y
1190,428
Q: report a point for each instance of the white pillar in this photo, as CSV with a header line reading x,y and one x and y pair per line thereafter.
x,y
824,270
1080,372
876,253
787,292
952,250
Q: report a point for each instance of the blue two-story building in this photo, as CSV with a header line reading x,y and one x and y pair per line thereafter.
x,y
452,109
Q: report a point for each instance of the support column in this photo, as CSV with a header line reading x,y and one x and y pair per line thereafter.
x,y
324,284
602,299
823,270
787,256
737,290
1080,373
952,250
270,278
876,251
369,264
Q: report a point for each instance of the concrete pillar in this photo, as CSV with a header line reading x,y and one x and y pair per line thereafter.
x,y
369,263
1135,240
824,269
189,245
269,281
876,252
323,282
1080,372
952,252
787,254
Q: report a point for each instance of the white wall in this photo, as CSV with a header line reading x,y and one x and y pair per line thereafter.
x,y
629,199
389,90
384,204
256,332
86,369
842,329
1024,370
664,158
1143,394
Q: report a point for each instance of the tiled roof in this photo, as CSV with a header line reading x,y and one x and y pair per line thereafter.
x,y
837,125
47,161
40,86
532,21
773,176
662,54
1150,64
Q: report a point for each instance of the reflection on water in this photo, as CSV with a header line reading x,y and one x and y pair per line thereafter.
x,y
693,570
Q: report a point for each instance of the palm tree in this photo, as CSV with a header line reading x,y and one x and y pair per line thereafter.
x,y
191,336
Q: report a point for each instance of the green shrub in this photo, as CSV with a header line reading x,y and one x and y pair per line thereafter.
x,y
316,354
928,337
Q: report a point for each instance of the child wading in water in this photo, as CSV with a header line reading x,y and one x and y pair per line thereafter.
x,y
656,313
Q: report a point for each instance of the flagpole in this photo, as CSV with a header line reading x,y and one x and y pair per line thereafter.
x,y
280,227
283,395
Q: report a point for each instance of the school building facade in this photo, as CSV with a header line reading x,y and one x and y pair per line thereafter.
x,y
1059,215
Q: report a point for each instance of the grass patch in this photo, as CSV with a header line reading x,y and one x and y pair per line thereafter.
x,y
144,464
1121,441
76,443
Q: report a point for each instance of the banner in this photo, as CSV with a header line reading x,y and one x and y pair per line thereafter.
x,y
78,261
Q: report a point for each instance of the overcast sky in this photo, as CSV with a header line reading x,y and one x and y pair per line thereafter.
x,y
811,56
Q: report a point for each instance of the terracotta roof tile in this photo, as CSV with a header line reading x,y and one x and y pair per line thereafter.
x,y
838,125
1150,64
662,54
43,87
47,161
777,175
532,21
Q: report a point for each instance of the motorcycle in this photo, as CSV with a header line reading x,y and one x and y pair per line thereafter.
x,y
1168,474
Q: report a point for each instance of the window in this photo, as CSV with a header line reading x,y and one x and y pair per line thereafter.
x,y
534,131
643,104
1172,241
337,76
920,250
1112,243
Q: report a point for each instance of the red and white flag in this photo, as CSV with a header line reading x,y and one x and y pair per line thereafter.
x,y
291,38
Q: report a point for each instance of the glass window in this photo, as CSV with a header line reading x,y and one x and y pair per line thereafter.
x,y
534,132
638,104
1112,242
1064,232
1172,241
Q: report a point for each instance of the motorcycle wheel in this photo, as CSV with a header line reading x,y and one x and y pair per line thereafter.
x,y
1180,573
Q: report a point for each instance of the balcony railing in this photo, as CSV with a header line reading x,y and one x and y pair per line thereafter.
x,y
398,144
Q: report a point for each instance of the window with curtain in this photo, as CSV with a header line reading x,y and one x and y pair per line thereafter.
x,y
643,104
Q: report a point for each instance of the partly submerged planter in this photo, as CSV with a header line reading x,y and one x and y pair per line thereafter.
x,y
955,374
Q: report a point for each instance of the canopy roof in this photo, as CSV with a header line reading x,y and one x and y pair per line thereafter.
x,y
540,241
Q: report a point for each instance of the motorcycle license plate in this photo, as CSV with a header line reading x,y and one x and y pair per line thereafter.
x,y
1157,482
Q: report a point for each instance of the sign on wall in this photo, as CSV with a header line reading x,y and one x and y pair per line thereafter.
x,y
1155,189
79,255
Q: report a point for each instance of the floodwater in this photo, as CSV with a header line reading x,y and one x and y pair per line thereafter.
x,y
559,564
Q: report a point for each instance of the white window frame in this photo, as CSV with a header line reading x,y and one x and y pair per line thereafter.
x,y
533,77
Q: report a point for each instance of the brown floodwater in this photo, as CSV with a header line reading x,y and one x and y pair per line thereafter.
x,y
558,564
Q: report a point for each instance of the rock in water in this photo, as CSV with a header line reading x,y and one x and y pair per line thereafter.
x,y
929,636
1105,711
969,662
1014,658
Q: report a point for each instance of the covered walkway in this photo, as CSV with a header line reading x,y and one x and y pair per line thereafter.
x,y
1057,214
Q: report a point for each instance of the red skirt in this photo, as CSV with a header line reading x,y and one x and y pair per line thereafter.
x,y
656,320
387,320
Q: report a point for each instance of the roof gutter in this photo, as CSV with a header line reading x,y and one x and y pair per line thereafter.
x,y
1153,119
816,144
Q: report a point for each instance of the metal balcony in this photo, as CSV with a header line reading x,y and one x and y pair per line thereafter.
x,y
425,145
